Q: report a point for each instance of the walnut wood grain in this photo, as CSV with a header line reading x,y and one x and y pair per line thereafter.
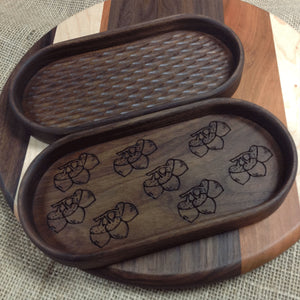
x,y
148,270
124,13
14,138
176,176
170,268
159,269
154,50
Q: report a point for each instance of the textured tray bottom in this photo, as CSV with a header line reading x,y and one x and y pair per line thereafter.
x,y
115,81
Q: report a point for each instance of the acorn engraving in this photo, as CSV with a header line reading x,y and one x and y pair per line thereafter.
x,y
70,210
76,171
165,178
209,138
249,164
199,200
134,157
113,224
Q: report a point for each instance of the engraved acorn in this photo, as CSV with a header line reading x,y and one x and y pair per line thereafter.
x,y
127,211
72,172
250,164
199,200
89,161
98,235
134,157
84,198
187,210
70,210
75,171
73,213
165,178
56,221
62,181
208,138
113,224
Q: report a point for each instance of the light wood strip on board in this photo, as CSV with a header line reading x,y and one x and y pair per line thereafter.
x,y
287,47
82,24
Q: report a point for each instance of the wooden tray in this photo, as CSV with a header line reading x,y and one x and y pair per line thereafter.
x,y
220,256
107,77
156,181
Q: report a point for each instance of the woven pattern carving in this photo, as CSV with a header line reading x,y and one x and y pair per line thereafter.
x,y
140,75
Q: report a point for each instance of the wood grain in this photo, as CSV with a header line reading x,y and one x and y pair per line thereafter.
x,y
219,257
169,172
14,138
105,15
74,28
268,238
193,264
160,269
124,13
212,71
254,28
265,91
84,23
287,41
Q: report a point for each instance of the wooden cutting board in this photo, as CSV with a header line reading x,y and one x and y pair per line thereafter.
x,y
221,256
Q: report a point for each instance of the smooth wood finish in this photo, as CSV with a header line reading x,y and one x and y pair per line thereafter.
x,y
179,175
265,91
151,269
255,29
105,15
135,11
173,267
286,41
73,28
121,75
219,256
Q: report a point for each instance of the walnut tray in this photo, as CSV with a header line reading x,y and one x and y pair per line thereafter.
x,y
133,187
107,77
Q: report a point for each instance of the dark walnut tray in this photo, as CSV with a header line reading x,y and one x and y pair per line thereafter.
x,y
133,187
103,78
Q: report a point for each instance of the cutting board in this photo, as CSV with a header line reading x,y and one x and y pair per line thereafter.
x,y
270,79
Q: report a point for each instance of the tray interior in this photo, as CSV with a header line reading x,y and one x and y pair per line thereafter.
x,y
114,76
92,86
158,187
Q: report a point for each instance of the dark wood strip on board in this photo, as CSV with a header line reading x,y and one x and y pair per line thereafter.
x,y
124,13
192,264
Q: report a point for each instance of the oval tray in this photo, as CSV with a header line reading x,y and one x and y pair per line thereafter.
x,y
108,194
125,73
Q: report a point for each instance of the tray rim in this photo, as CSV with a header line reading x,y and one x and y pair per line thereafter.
x,y
242,218
117,37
